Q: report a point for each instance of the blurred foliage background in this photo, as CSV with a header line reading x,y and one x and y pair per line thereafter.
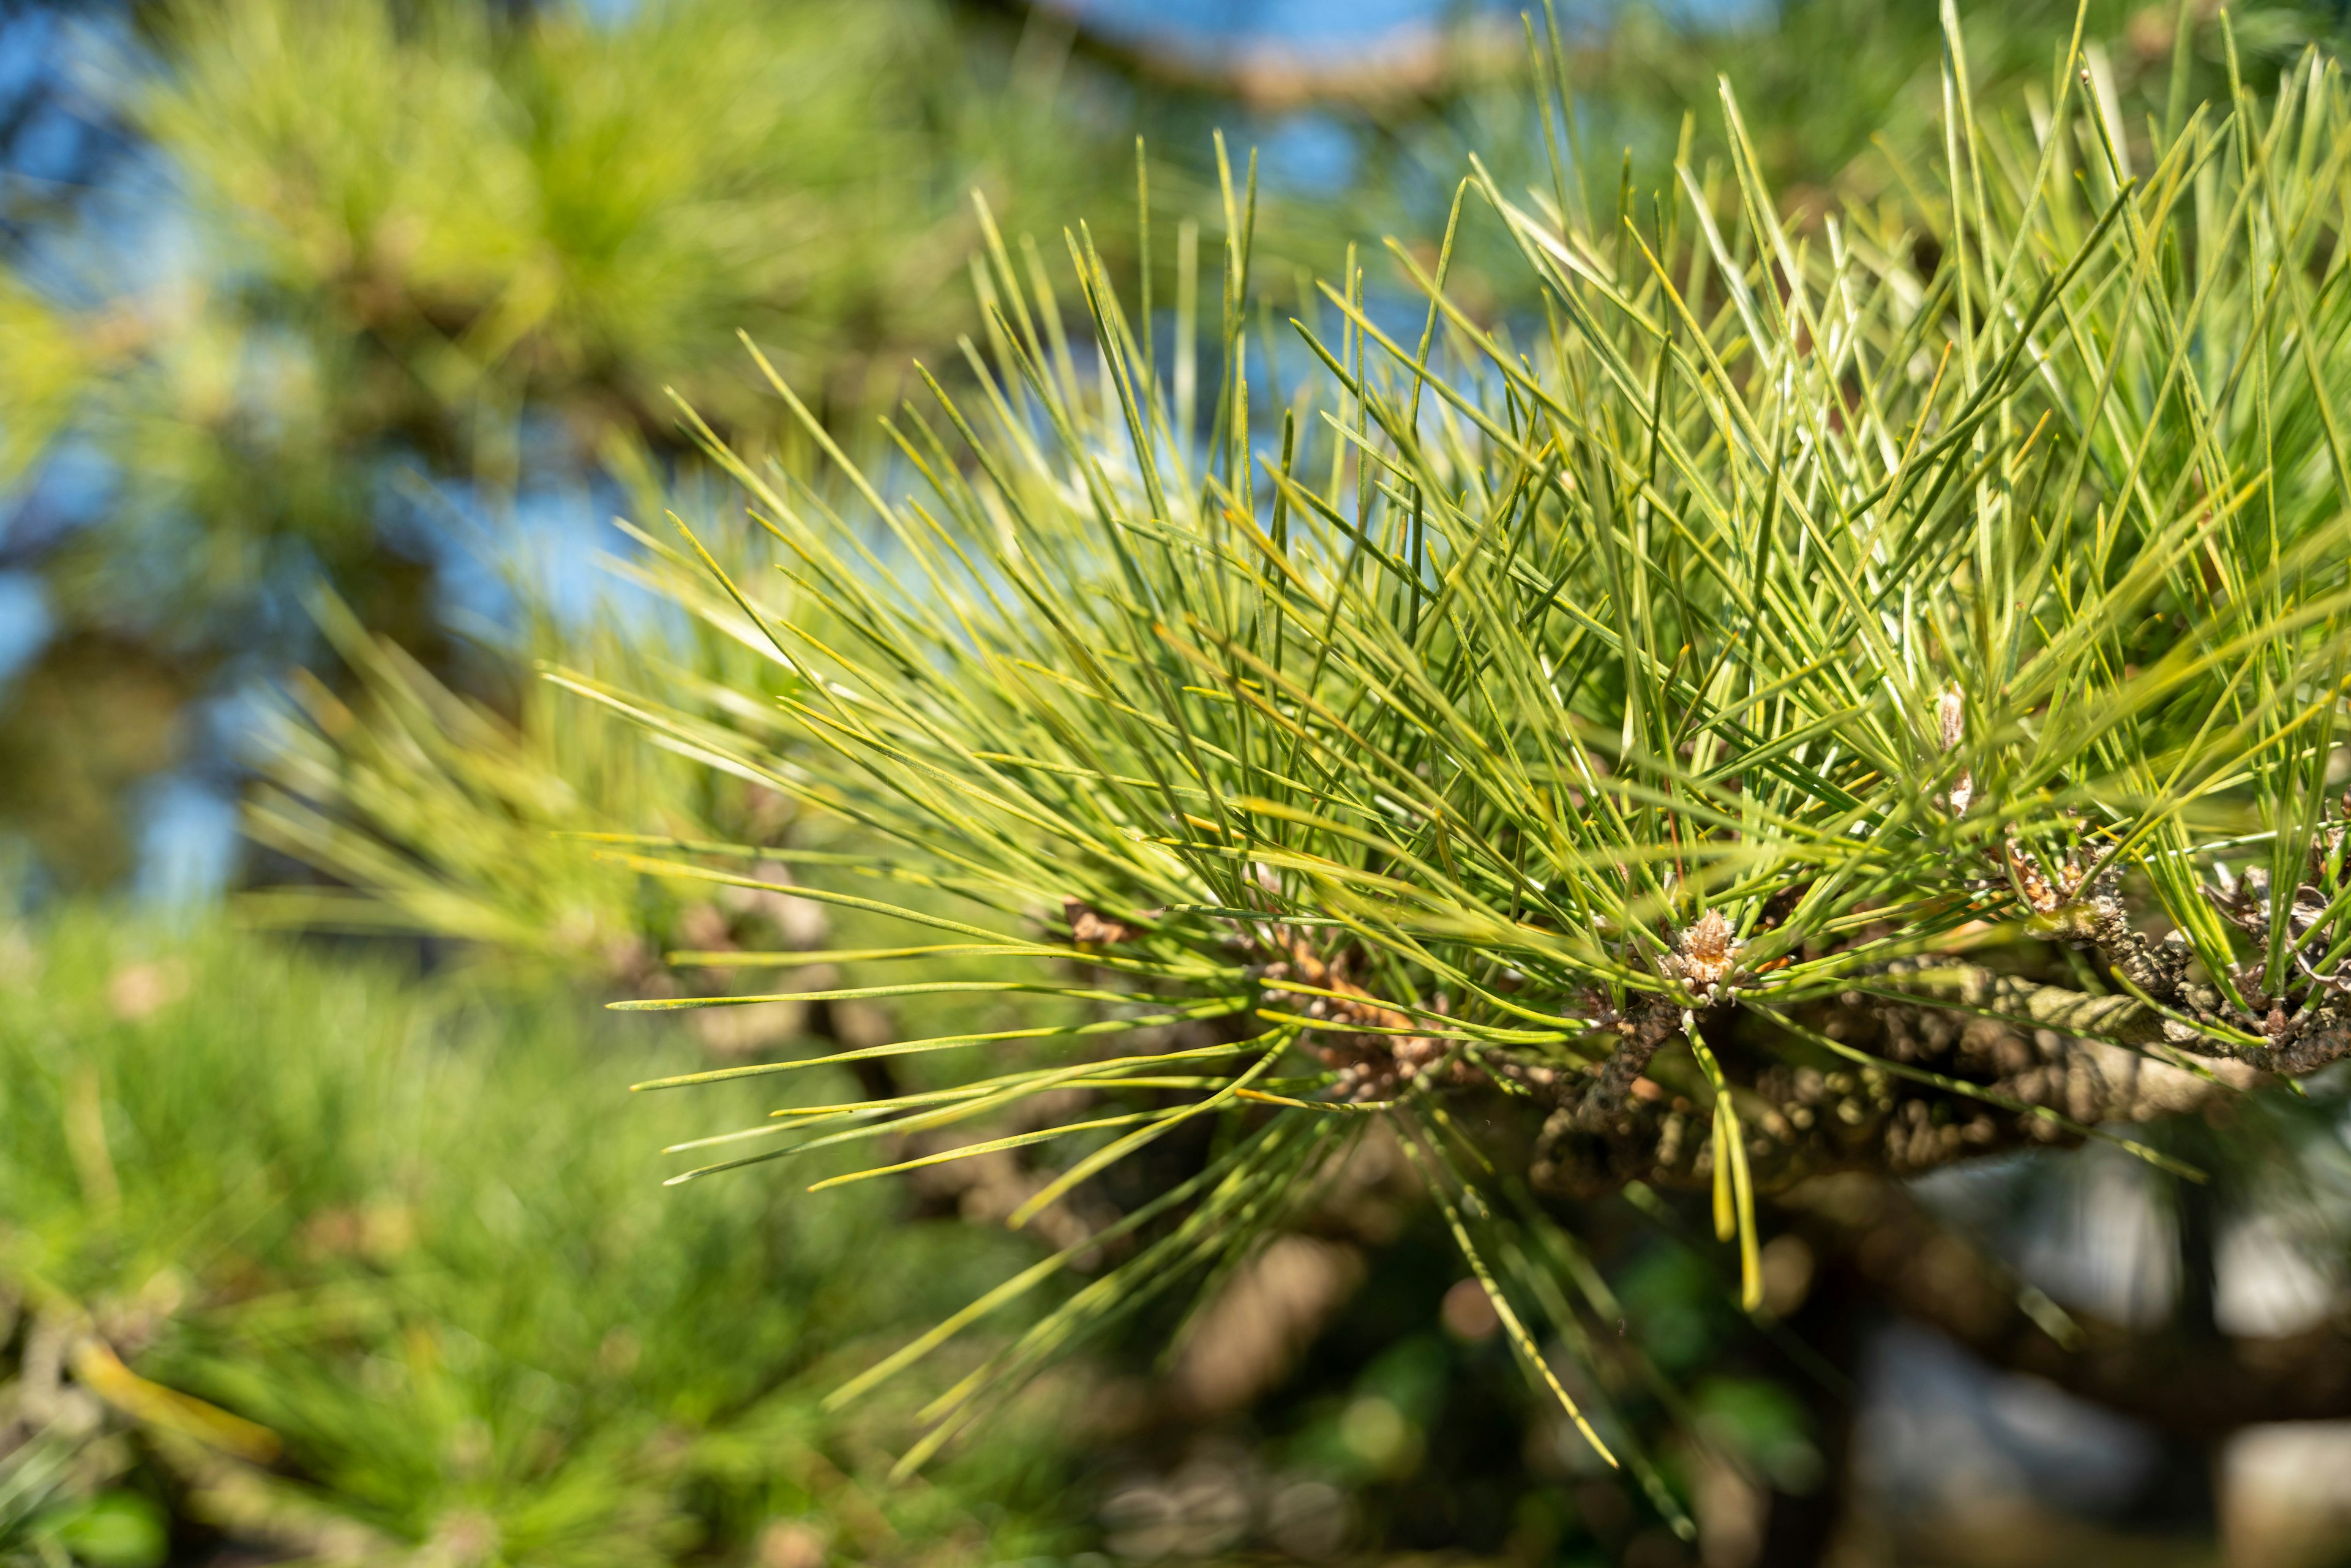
x,y
331,336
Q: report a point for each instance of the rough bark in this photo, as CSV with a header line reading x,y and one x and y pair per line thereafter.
x,y
1940,1031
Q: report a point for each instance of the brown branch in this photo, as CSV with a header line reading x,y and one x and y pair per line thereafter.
x,y
2179,1382
2017,1043
1407,66
1645,1025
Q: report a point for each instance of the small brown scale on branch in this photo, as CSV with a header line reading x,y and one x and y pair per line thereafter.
x,y
1090,927
1373,1049
1646,1022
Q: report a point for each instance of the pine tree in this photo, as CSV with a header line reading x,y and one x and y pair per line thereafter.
x,y
1824,700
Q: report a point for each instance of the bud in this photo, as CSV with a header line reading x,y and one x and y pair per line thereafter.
x,y
1951,727
1707,955
1951,719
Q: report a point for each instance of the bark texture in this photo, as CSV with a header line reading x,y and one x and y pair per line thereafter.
x,y
1969,1062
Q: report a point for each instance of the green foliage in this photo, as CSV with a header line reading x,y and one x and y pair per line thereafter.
x,y
410,226
570,202
440,818
257,1204
1781,602
416,263
1278,743
1884,64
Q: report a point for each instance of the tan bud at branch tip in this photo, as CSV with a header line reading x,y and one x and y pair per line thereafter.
x,y
1950,719
1707,955
1951,727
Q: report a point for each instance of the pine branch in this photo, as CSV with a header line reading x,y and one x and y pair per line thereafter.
x,y
2025,1065
1701,719
2198,1385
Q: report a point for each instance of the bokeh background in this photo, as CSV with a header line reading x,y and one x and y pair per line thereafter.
x,y
334,335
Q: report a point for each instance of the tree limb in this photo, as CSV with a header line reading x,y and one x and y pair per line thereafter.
x,y
1404,67
1979,1063
2180,1383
